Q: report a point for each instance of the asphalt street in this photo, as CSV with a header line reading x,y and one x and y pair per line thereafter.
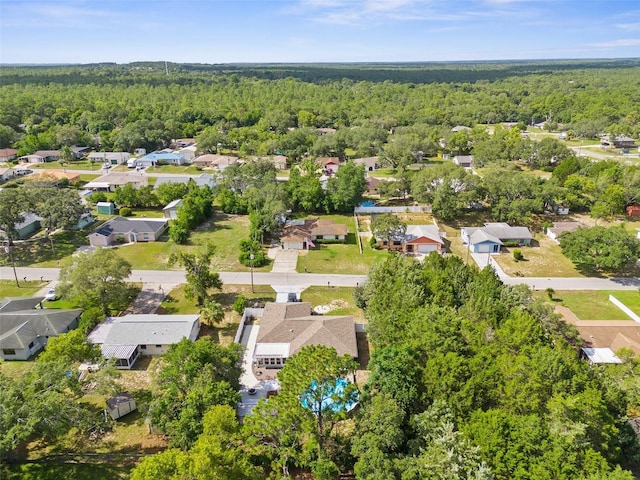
x,y
330,279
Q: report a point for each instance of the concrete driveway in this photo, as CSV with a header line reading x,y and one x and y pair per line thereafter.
x,y
285,261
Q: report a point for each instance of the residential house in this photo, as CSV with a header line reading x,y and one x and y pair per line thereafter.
x,y
325,131
110,181
8,154
161,157
202,180
612,335
279,161
491,237
128,230
25,328
29,225
301,234
54,177
372,185
422,239
464,161
619,141
329,165
78,152
41,156
218,162
370,163
112,158
128,337
460,128
139,152
285,328
559,228
171,210
189,153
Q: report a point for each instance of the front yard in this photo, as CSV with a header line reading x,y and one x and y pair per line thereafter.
x,y
595,304
8,288
338,299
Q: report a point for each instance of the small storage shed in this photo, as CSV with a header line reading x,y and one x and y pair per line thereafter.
x,y
106,208
120,405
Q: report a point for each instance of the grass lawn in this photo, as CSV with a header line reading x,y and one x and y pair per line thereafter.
x,y
15,369
147,213
543,260
177,304
224,232
37,251
88,177
8,288
595,304
339,299
77,471
184,169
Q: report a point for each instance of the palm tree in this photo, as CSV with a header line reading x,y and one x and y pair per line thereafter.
x,y
211,312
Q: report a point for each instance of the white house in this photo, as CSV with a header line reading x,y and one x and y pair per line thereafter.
x,y
113,158
127,338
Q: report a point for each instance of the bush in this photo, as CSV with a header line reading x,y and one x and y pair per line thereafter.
x,y
125,212
373,243
511,243
240,304
250,246
98,197
517,255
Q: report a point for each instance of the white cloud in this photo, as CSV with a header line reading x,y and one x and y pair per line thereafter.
x,y
630,27
623,42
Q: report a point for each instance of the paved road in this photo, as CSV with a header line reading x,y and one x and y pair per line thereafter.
x,y
177,277
333,280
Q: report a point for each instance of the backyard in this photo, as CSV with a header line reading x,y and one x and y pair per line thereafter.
x,y
338,299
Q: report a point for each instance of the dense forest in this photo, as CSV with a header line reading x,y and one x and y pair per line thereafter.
x,y
254,107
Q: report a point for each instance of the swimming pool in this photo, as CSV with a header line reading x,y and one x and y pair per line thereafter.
x,y
368,203
332,395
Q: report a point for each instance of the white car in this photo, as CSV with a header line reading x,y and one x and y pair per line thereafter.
x,y
51,295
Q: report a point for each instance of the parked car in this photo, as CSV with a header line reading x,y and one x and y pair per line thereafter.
x,y
51,295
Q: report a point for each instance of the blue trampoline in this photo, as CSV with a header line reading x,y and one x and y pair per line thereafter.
x,y
334,397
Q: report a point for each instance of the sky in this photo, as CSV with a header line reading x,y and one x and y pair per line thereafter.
x,y
283,31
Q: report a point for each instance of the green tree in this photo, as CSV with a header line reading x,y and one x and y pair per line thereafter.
x,y
388,227
211,312
96,279
70,347
251,254
346,187
12,209
607,249
200,278
44,400
169,191
313,373
195,376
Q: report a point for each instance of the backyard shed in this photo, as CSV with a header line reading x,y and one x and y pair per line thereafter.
x,y
121,404
106,208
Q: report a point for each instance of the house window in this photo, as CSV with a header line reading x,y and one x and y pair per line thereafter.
x,y
31,345
319,237
143,347
158,346
8,351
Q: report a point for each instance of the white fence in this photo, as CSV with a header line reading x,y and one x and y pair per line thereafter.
x,y
248,313
411,209
624,308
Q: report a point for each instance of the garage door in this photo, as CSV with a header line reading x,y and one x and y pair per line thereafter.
x,y
427,248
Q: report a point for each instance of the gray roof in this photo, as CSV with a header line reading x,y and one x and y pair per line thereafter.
x,y
15,304
18,328
119,399
174,204
561,227
480,236
29,218
200,180
500,231
414,232
125,225
147,329
293,324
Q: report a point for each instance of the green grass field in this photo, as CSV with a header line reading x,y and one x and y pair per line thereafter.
x,y
339,299
595,304
8,288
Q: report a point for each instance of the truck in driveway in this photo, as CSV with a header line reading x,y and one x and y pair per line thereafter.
x,y
132,162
